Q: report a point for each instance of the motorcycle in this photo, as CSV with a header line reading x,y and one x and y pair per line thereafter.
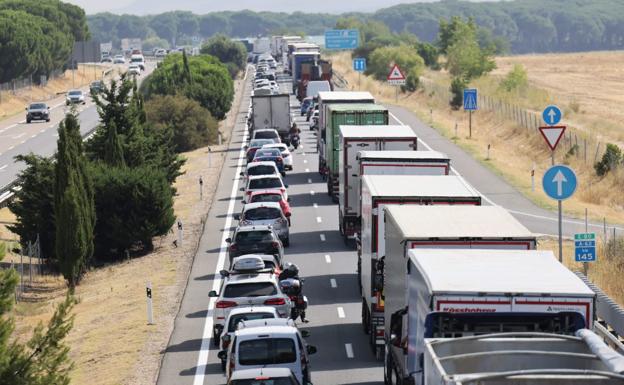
x,y
292,287
294,140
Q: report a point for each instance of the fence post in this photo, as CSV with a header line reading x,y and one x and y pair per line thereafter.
x,y
585,150
596,156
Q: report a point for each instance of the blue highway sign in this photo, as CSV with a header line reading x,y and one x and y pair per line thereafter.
x,y
559,182
585,247
552,115
359,64
470,99
342,39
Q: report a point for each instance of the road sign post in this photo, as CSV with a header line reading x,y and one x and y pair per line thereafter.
x,y
359,65
342,39
470,105
559,183
396,78
150,312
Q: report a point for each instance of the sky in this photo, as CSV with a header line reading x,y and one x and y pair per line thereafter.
x,y
142,7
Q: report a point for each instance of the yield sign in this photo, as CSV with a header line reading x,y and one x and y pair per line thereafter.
x,y
396,74
552,135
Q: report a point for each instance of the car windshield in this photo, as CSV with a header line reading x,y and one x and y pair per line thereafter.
x,y
235,319
266,198
265,135
268,152
75,93
37,106
137,59
264,381
259,143
261,170
267,351
262,213
250,289
250,237
265,183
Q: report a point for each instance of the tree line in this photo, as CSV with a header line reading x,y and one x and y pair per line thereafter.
x,y
37,36
519,26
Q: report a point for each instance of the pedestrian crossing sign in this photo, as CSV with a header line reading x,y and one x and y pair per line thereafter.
x,y
470,99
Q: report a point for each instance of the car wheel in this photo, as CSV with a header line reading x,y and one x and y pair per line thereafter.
x,y
223,362
216,336
283,173
28,121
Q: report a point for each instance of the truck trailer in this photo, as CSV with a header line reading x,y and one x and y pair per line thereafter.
x,y
272,111
377,192
296,61
457,293
354,139
344,115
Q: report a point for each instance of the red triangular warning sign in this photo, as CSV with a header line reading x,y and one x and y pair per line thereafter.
x,y
396,73
552,135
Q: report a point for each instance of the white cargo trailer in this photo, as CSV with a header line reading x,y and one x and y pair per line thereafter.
x,y
354,139
403,163
521,358
456,293
272,111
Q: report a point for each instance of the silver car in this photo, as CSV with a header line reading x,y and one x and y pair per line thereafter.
x,y
266,213
75,97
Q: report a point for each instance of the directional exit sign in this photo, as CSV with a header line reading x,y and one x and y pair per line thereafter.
x,y
585,247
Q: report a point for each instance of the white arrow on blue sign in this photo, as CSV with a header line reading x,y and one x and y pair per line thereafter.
x,y
552,115
470,99
359,64
559,182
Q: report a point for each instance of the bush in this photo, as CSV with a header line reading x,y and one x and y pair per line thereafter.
x,y
430,55
412,80
232,53
457,91
133,205
193,126
611,159
404,56
516,79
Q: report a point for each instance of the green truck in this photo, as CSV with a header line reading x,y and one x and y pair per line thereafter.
x,y
346,114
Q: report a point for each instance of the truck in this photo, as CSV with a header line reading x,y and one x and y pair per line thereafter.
x,y
377,192
312,73
286,41
453,293
513,358
296,61
277,44
262,45
272,111
341,115
354,139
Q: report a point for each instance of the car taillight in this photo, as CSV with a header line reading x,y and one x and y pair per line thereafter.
x,y
233,248
225,304
275,301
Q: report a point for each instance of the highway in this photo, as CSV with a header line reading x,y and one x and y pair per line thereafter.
x,y
326,263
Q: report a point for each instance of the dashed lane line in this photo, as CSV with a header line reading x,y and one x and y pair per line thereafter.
x,y
319,220
332,283
327,258
322,236
341,313
349,350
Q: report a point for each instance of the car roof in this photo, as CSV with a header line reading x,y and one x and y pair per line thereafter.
x,y
270,322
271,331
255,205
275,145
251,277
264,257
245,374
265,129
253,309
261,163
253,228
271,176
266,191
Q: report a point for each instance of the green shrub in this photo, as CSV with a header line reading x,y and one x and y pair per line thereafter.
x,y
457,92
516,79
611,159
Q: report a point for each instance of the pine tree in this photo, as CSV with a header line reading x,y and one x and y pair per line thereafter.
x,y
73,204
113,150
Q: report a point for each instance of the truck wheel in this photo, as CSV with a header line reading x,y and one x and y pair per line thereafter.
x,y
365,319
329,187
359,273
388,371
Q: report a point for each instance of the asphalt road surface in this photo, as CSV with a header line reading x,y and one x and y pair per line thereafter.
x,y
327,264
17,137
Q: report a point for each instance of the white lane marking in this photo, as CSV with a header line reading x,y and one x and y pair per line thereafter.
x,y
42,131
327,258
12,147
18,136
307,170
3,167
23,141
322,236
349,350
301,145
309,180
341,313
32,136
598,226
305,161
311,192
315,206
333,283
319,220
452,168
202,359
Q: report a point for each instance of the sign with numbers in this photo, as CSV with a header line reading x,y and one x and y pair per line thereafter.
x,y
585,247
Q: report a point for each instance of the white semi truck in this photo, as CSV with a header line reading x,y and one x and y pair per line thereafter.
x,y
272,111
354,139
379,191
453,293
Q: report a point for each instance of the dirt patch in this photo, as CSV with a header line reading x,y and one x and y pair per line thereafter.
x,y
111,342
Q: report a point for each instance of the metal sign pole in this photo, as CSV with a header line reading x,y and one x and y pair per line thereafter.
x,y
552,158
560,234
470,124
150,311
585,264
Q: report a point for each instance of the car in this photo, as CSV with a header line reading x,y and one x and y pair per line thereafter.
x,y
266,213
315,120
119,59
254,145
245,313
247,287
139,60
271,196
37,111
269,343
265,182
255,239
259,168
160,52
311,111
96,87
266,133
106,59
270,155
263,376
74,97
286,156
305,105
134,69
260,82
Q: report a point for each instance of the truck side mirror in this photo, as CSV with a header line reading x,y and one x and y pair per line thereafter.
x,y
241,173
237,217
222,355
213,294
311,349
228,240
305,333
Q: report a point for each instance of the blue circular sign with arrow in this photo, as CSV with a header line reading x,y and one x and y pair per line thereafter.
x,y
559,182
552,115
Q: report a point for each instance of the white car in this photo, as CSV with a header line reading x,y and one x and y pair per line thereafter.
x,y
267,376
266,133
134,69
245,313
286,156
259,169
75,97
254,287
265,182
119,59
270,343
266,213
160,52
138,60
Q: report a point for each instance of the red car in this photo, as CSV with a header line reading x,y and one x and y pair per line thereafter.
x,y
272,196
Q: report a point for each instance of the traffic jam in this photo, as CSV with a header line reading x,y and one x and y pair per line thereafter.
x,y
453,289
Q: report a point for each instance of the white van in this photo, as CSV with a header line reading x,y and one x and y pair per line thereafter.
x,y
269,343
138,60
316,86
